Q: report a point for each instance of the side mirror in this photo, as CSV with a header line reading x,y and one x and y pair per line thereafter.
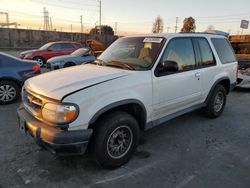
x,y
169,66
49,50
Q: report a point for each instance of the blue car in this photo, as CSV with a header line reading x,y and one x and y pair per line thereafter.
x,y
78,57
13,73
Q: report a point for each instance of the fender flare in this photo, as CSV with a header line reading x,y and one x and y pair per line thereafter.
x,y
214,85
117,104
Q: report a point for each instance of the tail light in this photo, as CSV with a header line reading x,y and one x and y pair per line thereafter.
x,y
36,68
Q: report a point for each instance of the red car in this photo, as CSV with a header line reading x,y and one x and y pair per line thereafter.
x,y
50,50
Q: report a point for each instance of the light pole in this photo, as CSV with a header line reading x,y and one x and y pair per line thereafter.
x,y
100,16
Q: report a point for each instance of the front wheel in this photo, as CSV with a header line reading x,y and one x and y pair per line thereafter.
x,y
40,61
9,92
216,102
115,139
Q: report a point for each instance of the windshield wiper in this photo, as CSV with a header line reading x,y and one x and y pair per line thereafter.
x,y
120,64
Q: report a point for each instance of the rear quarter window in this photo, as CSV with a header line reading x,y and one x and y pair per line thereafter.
x,y
78,45
224,50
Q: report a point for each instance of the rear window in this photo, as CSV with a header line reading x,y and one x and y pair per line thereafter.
x,y
224,50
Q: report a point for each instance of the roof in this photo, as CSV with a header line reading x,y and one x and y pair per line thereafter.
x,y
170,35
63,42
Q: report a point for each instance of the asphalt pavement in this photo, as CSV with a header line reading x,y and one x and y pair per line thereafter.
x,y
190,151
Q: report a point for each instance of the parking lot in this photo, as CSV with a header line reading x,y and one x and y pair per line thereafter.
x,y
189,151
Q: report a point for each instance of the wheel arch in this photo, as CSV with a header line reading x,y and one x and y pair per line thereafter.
x,y
225,81
17,82
132,106
39,56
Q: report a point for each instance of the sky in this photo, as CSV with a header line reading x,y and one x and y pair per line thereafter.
x,y
131,16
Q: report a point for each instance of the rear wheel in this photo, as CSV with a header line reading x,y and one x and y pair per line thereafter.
x,y
40,61
216,102
115,139
9,92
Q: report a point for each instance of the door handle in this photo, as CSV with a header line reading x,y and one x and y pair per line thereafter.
x,y
198,75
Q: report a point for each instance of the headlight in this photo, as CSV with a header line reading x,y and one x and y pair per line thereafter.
x,y
27,55
60,113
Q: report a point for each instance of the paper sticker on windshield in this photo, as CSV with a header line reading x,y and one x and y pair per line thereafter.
x,y
153,40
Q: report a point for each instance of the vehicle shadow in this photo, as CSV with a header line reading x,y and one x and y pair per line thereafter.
x,y
241,89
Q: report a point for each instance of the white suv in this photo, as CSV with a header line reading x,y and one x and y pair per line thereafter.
x,y
137,83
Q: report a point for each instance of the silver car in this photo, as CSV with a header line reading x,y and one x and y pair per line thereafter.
x,y
78,57
243,77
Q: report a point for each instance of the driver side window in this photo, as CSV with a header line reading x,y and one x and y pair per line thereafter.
x,y
180,50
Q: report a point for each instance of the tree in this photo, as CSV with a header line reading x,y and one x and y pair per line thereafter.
x,y
188,25
158,25
105,29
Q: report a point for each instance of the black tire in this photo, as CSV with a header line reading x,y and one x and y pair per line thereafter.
x,y
216,102
40,61
69,65
9,92
117,128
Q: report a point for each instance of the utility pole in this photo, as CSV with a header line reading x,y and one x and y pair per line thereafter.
x,y
51,27
168,28
81,24
100,16
7,19
116,28
176,24
8,23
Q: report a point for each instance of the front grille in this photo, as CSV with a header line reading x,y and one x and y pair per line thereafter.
x,y
32,103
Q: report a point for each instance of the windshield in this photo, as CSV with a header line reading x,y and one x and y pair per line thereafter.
x,y
45,47
135,53
81,52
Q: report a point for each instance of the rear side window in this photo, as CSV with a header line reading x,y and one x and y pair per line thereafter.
x,y
224,50
207,57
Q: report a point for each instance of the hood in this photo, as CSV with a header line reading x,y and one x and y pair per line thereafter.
x,y
57,84
29,51
61,58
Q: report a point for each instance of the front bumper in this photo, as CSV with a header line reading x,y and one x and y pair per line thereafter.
x,y
55,140
51,66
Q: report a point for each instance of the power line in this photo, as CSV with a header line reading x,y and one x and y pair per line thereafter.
x,y
65,7
81,4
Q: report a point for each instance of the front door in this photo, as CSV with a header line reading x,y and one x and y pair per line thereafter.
x,y
178,90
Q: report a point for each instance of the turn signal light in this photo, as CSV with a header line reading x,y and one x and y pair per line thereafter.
x,y
36,68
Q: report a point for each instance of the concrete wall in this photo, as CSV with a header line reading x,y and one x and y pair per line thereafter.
x,y
28,39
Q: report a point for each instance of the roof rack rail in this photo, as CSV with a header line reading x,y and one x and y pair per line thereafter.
x,y
212,32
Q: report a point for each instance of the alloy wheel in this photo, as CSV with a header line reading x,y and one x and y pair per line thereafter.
x,y
119,142
7,93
